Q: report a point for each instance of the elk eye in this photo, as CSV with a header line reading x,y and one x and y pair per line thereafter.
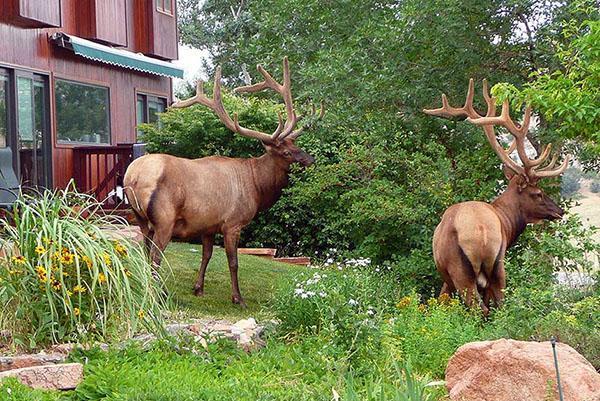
x,y
287,153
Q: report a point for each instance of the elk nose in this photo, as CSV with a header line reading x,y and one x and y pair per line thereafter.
x,y
308,161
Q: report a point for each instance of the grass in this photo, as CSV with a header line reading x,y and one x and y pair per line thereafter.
x,y
258,279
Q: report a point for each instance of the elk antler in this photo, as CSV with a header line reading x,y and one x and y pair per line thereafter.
x,y
216,104
531,167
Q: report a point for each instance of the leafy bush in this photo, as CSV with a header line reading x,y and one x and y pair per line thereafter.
x,y
429,334
345,306
532,314
65,278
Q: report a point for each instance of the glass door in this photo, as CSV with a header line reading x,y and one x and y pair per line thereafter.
x,y
4,89
33,138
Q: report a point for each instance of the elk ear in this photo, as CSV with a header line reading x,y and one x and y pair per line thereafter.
x,y
508,172
521,182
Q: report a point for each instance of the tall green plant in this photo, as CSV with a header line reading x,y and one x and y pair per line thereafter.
x,y
67,276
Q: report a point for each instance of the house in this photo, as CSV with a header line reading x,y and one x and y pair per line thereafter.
x,y
76,78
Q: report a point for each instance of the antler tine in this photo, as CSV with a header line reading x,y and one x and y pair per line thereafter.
x,y
447,111
200,98
551,164
216,105
295,134
284,90
543,156
547,173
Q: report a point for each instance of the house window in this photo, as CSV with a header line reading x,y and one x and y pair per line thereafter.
x,y
165,6
82,113
3,108
148,109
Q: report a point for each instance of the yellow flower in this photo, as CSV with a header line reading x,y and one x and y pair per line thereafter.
x,y
41,269
87,261
141,314
76,311
127,273
56,255
56,285
107,260
48,241
404,302
40,249
67,258
121,250
101,278
19,259
69,293
79,289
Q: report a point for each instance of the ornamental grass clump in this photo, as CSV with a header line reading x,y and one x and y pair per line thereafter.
x,y
65,276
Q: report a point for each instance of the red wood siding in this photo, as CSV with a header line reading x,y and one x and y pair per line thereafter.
x,y
103,20
31,13
155,31
30,49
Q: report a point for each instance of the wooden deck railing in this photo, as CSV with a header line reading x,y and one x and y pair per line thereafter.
x,y
99,170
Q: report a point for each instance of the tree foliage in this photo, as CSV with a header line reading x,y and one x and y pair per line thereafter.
x,y
385,172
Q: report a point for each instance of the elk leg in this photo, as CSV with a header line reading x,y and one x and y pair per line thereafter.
x,y
447,289
207,249
162,236
148,235
231,244
498,284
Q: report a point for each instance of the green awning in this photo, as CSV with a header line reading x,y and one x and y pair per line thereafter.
x,y
118,57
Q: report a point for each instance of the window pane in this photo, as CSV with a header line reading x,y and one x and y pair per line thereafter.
x,y
3,110
82,113
141,110
159,4
25,111
169,6
155,106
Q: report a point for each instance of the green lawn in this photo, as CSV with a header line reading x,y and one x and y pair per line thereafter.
x,y
258,277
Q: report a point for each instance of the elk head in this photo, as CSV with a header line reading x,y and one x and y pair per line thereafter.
x,y
523,191
281,143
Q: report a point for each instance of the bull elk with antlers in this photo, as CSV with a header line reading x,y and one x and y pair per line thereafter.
x,y
470,242
175,197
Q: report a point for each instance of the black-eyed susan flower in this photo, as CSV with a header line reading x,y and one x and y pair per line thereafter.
x,y
78,289
40,250
76,311
102,278
20,260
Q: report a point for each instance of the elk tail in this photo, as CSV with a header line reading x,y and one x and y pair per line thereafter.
x,y
135,204
481,279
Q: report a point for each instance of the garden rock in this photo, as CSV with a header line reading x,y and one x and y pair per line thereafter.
x,y
509,370
25,361
48,377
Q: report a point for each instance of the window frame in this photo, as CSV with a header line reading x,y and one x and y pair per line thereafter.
x,y
162,9
62,142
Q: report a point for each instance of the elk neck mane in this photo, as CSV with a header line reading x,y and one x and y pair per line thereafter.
x,y
269,176
513,221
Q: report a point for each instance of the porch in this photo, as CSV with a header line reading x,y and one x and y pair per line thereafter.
x,y
100,170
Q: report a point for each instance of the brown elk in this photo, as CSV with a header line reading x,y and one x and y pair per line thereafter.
x,y
470,242
175,197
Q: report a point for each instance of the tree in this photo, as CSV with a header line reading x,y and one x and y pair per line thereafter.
x,y
384,171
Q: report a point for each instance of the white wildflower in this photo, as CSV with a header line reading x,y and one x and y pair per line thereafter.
x,y
299,291
322,294
352,302
304,295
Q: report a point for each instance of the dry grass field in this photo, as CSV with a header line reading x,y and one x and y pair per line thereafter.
x,y
588,207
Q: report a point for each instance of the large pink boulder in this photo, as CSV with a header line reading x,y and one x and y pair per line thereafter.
x,y
509,370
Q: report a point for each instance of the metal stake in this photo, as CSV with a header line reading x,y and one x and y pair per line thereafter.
x,y
553,342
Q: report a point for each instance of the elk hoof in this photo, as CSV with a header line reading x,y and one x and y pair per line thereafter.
x,y
198,292
238,301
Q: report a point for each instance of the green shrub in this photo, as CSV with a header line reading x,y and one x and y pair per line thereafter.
x,y
345,306
429,334
535,314
64,278
12,390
